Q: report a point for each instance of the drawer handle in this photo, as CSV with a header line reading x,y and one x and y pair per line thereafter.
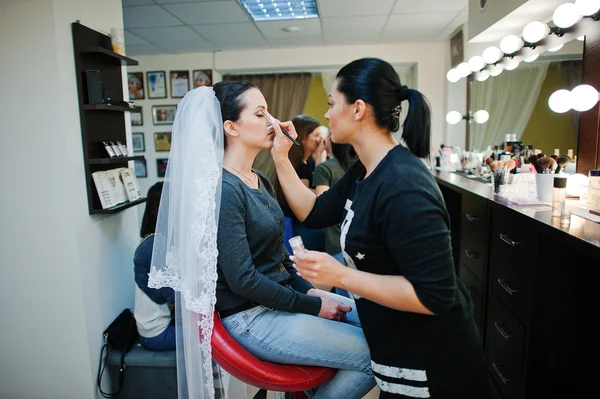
x,y
507,240
511,291
471,254
507,336
471,217
496,367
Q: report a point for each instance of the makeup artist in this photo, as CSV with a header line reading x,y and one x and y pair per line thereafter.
x,y
266,307
395,234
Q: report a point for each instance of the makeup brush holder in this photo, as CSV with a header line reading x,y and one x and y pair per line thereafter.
x,y
499,179
544,183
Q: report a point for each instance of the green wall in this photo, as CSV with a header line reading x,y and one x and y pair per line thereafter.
x,y
316,104
546,129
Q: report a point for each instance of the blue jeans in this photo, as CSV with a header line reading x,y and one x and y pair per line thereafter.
x,y
297,338
165,341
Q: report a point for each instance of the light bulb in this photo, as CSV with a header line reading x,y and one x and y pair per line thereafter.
x,y
492,54
581,38
453,76
511,44
481,116
453,117
476,63
497,70
587,7
463,69
532,58
566,15
482,76
535,31
511,65
584,98
555,49
560,101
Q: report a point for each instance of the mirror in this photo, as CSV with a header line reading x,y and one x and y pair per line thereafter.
x,y
517,103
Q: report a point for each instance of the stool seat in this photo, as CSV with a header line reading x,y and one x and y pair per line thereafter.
x,y
244,366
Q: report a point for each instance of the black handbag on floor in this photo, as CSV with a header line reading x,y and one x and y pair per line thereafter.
x,y
120,335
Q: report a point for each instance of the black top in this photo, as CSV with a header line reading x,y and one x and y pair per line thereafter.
x,y
395,222
305,171
253,264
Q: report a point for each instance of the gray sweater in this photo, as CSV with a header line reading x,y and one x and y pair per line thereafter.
x,y
253,264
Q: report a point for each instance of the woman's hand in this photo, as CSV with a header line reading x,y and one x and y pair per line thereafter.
x,y
281,144
330,308
319,268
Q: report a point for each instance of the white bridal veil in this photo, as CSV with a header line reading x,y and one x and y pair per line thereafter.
x,y
185,246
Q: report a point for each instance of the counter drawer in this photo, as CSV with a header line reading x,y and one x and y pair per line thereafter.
x,y
475,289
505,343
512,264
473,234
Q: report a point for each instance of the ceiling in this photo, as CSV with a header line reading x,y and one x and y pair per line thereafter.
x,y
189,26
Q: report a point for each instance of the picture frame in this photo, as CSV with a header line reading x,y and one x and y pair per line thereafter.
x,y
161,166
137,118
162,141
201,77
457,50
180,83
141,170
163,114
135,83
156,84
138,143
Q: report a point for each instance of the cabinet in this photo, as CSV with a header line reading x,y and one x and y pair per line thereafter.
x,y
534,292
100,122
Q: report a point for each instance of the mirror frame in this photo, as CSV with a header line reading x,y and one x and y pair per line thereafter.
x,y
588,145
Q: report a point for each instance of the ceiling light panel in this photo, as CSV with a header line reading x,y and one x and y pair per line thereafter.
x,y
278,10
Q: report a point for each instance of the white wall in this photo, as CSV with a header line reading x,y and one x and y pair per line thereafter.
x,y
66,275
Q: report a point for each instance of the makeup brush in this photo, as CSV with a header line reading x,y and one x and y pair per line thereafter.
x,y
489,161
511,164
533,160
562,161
545,163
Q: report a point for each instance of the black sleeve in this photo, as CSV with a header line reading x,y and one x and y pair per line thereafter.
x,y
238,267
415,226
329,206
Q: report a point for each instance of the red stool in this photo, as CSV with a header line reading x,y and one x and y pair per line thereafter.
x,y
244,366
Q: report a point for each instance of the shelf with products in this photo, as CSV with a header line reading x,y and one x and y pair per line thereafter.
x,y
92,51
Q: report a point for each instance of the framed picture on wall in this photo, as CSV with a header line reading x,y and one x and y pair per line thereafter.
x,y
161,166
137,118
457,52
135,82
180,83
163,114
157,84
140,168
137,140
162,141
202,77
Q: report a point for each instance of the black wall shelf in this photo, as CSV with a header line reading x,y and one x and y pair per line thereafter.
x,y
114,160
101,122
102,52
118,208
104,107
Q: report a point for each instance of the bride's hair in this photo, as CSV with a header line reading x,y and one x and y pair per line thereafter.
x,y
229,94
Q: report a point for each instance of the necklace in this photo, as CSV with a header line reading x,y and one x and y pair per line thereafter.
x,y
243,175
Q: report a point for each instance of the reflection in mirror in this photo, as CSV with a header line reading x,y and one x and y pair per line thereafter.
x,y
517,102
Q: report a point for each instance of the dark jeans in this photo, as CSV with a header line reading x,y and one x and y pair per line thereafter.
x,y
165,341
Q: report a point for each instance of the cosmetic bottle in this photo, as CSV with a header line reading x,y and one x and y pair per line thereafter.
x,y
116,149
122,148
109,149
297,244
593,197
559,196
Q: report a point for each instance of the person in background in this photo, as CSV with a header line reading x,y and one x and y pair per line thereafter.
x,y
326,175
154,308
395,233
309,137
